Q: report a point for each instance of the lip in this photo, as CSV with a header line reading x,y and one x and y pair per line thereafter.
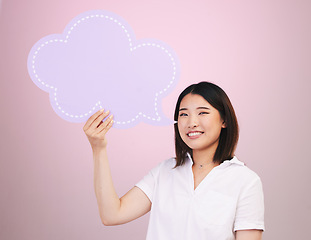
x,y
194,134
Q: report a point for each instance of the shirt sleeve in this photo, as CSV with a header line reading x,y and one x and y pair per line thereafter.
x,y
149,182
250,208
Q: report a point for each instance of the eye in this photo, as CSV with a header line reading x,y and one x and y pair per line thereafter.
x,y
203,113
183,115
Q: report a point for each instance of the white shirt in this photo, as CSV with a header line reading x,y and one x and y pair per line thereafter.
x,y
229,198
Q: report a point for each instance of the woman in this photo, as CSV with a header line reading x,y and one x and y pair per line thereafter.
x,y
203,193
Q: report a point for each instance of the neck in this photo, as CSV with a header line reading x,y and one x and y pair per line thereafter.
x,y
201,158
204,157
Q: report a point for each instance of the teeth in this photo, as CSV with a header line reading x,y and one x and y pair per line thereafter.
x,y
194,134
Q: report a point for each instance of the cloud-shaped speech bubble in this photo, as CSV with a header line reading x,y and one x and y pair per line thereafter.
x,y
97,62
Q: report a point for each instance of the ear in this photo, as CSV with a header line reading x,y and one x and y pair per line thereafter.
x,y
224,124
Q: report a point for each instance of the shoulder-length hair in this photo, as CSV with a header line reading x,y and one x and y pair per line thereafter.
x,y
228,136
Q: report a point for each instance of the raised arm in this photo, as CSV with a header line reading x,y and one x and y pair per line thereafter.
x,y
112,209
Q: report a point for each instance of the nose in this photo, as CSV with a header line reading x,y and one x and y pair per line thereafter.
x,y
193,122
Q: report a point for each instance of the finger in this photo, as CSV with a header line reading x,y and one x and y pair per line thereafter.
x,y
98,121
105,130
92,118
105,126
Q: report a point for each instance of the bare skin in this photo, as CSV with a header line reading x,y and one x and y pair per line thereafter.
x,y
112,209
253,234
134,204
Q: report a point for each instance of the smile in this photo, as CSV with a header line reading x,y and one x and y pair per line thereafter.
x,y
192,134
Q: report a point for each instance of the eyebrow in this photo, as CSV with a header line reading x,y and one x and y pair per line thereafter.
x,y
183,109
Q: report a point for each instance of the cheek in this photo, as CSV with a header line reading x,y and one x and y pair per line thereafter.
x,y
213,127
181,125
181,130
216,129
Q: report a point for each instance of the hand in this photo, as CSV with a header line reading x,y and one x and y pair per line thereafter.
x,y
95,129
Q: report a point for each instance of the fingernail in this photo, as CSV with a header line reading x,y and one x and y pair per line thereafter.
x,y
101,110
111,116
107,112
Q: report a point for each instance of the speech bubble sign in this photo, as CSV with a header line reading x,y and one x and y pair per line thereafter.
x,y
97,62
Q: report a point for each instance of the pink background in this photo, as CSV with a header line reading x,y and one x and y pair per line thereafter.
x,y
257,51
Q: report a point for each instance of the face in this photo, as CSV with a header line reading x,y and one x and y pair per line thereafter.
x,y
199,123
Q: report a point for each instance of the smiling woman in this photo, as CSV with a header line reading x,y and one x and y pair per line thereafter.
x,y
211,98
203,193
199,124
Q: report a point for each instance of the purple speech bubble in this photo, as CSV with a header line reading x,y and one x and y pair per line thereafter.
x,y
97,62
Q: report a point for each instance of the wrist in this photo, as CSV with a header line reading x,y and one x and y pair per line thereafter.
x,y
98,151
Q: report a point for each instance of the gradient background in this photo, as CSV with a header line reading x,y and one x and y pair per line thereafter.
x,y
257,51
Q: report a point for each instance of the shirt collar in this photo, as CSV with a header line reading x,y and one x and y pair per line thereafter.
x,y
234,160
225,163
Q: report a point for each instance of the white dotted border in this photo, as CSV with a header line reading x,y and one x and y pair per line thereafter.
x,y
98,104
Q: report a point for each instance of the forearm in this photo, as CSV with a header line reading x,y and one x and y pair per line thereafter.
x,y
134,203
107,198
